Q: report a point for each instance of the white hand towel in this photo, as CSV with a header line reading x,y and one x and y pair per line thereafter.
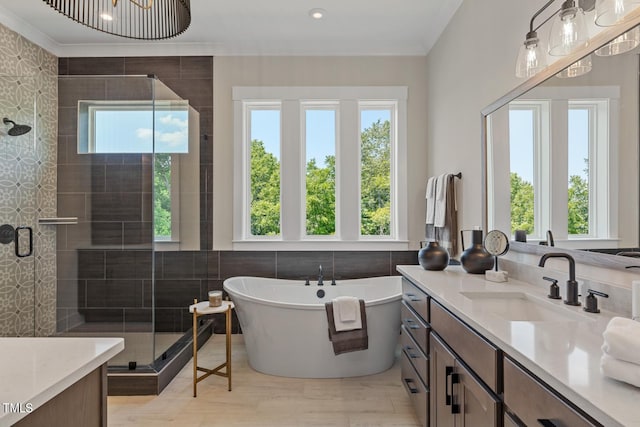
x,y
346,313
622,340
620,370
431,199
441,200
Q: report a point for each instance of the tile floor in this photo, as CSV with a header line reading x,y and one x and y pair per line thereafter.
x,y
264,400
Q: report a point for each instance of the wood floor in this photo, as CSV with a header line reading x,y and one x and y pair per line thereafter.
x,y
264,400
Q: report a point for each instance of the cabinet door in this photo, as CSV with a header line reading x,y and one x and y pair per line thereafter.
x,y
478,406
443,407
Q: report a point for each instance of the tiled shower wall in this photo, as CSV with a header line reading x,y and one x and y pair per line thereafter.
x,y
114,285
28,185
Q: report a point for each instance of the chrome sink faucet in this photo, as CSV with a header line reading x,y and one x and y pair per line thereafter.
x,y
572,285
320,276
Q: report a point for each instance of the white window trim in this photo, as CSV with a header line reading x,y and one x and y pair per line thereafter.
x,y
347,235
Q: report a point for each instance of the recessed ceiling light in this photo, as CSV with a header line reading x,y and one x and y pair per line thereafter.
x,y
317,13
106,16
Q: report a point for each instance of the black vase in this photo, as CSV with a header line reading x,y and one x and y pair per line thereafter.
x,y
433,257
475,259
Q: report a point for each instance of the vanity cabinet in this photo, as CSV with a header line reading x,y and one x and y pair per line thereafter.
x,y
458,396
414,340
529,402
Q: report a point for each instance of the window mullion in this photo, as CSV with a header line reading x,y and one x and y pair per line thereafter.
x,y
291,171
348,167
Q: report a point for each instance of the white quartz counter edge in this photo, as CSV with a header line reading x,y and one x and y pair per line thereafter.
x,y
574,372
35,370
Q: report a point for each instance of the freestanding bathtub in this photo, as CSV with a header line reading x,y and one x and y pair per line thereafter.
x,y
285,329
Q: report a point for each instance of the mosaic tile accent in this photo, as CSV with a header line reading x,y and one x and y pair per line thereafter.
x,y
28,95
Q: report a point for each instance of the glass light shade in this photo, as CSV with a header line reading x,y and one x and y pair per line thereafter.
x,y
610,12
576,69
621,44
568,31
531,59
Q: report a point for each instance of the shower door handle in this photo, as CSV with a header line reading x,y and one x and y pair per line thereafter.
x,y
17,241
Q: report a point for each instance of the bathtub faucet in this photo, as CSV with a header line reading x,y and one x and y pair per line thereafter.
x,y
320,276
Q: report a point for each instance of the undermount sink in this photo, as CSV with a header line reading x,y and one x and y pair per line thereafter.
x,y
518,306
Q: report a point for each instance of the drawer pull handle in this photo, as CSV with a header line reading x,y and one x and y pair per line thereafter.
x,y
408,349
546,423
412,324
455,407
412,297
448,398
410,385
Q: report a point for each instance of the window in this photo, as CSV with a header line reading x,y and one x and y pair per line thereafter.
x,y
317,166
320,168
537,204
160,128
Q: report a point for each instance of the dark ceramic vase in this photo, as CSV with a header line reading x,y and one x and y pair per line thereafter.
x,y
433,257
475,259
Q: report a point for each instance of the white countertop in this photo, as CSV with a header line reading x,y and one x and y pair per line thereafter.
x,y
34,370
564,354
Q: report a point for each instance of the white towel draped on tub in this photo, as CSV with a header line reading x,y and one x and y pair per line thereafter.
x,y
622,340
346,313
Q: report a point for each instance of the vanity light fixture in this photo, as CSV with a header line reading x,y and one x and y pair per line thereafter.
x,y
621,44
568,30
576,69
142,20
317,13
611,12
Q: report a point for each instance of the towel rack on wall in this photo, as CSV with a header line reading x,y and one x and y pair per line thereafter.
x,y
458,175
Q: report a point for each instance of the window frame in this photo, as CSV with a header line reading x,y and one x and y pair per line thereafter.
x,y
293,190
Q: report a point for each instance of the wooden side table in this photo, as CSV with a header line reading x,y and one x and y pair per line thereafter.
x,y
202,309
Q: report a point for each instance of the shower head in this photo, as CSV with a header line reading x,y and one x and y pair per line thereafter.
x,y
16,129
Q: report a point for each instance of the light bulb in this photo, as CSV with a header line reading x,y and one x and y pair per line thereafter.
x,y
568,31
610,12
531,58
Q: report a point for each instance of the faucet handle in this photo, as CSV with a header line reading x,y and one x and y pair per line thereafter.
x,y
591,305
554,289
306,282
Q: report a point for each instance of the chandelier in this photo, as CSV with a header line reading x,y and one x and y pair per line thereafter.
x,y
150,20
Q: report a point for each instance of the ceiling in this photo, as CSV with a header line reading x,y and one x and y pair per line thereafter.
x,y
253,27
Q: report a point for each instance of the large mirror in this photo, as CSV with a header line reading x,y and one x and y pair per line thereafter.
x,y
561,155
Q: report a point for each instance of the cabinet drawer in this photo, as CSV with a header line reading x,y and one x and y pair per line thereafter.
x,y
531,401
479,354
417,391
418,330
416,299
419,361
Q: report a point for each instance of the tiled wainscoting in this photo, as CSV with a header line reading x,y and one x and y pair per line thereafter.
x,y
112,286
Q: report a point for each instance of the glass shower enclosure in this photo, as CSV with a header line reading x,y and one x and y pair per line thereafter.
x,y
128,196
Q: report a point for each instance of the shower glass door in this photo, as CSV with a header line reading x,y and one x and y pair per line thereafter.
x,y
19,172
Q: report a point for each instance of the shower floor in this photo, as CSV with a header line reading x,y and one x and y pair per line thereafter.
x,y
138,340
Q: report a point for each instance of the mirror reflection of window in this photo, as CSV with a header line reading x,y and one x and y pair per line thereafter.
x,y
523,132
579,137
